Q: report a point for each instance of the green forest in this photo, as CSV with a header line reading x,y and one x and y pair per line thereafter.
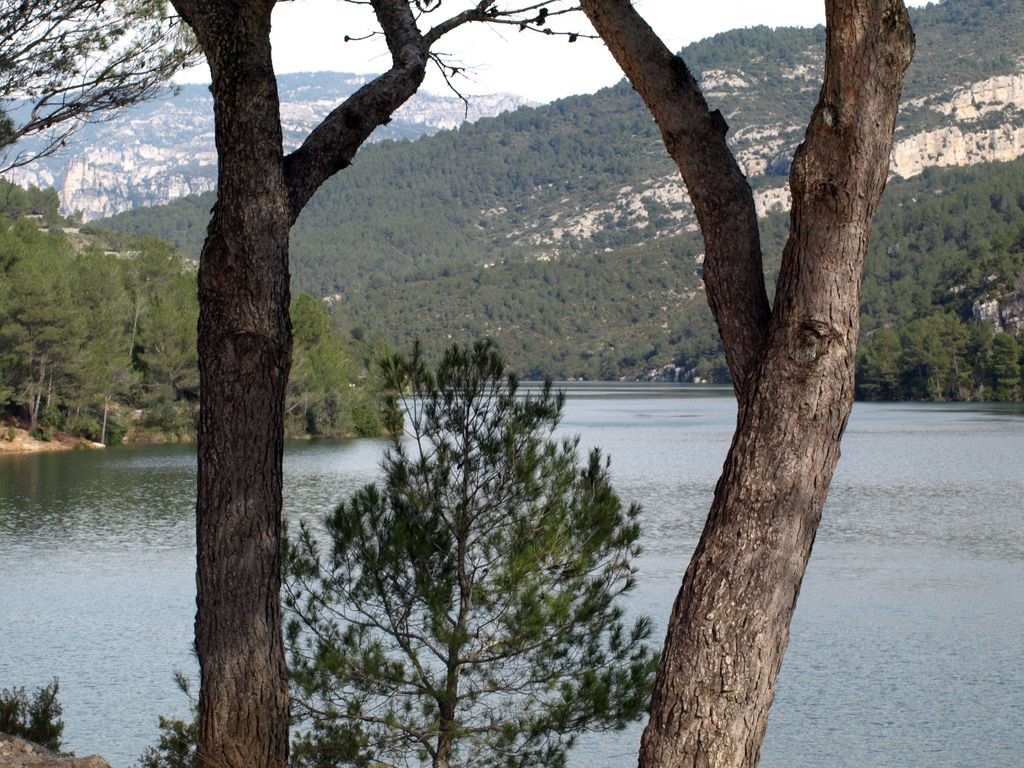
x,y
944,278
97,327
945,246
453,237
97,337
450,238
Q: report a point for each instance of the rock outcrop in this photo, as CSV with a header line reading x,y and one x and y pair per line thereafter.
x,y
956,146
19,753
161,150
1006,314
982,125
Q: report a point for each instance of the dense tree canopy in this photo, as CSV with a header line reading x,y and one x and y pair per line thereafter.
x,y
88,333
98,336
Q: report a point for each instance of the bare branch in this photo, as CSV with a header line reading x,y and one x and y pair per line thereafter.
x,y
72,61
333,144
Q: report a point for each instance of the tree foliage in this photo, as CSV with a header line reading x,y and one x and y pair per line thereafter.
x,y
87,332
94,324
445,244
63,62
467,610
36,717
325,396
176,747
946,245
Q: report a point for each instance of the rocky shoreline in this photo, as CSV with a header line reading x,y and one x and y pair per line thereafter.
x,y
19,753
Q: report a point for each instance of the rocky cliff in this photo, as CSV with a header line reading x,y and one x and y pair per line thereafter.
x,y
162,150
982,122
764,81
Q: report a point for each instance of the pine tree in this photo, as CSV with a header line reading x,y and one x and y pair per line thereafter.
x,y
1006,369
466,611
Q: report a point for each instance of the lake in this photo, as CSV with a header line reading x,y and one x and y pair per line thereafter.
x,y
907,642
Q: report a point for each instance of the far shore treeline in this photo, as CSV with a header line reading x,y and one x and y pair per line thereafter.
x,y
944,279
97,327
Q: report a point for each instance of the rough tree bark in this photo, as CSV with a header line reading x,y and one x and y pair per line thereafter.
x,y
245,349
792,365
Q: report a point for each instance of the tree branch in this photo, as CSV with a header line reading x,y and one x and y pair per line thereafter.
x,y
67,62
695,138
332,144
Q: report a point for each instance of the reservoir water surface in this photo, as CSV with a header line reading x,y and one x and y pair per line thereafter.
x,y
908,637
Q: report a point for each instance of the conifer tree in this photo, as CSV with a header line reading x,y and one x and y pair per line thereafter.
x,y
466,610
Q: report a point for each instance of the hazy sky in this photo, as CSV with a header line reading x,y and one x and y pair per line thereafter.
x,y
309,36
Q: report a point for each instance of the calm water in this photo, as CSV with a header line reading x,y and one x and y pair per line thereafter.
x,y
907,641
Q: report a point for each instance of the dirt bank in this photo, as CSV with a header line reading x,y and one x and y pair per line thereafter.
x,y
21,442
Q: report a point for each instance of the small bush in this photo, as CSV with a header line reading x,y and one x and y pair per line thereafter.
x,y
90,427
178,738
174,419
86,426
177,746
51,417
36,719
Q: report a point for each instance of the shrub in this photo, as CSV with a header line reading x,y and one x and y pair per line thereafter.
x,y
36,718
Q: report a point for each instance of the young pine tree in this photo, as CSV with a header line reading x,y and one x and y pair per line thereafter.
x,y
466,611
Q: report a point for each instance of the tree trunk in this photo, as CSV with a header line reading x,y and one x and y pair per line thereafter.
x,y
35,400
793,374
244,350
244,357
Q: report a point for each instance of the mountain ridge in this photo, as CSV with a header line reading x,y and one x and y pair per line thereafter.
x,y
162,150
564,231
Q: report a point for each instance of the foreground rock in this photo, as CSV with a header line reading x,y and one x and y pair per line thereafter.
x,y
19,753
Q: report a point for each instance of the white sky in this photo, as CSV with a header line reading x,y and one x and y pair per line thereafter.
x,y
308,36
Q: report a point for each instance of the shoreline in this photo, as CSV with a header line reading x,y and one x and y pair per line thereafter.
x,y
23,442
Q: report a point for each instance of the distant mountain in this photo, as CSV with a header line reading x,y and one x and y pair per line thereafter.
x,y
162,150
564,230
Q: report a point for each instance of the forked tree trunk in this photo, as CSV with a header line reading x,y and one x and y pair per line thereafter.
x,y
245,354
792,368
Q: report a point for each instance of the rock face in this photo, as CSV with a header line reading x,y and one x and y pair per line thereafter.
x,y
982,124
956,146
164,149
1006,314
19,753
979,99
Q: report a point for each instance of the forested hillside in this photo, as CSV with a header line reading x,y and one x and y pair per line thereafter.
x,y
563,231
98,336
943,300
92,327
